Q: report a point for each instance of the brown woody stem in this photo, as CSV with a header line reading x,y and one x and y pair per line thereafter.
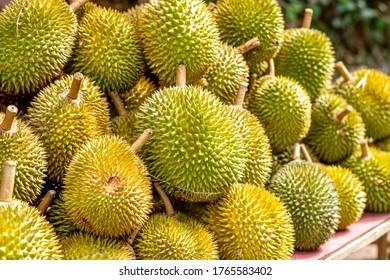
x,y
306,153
120,108
75,87
366,154
137,145
133,234
250,45
181,75
167,203
271,66
343,71
7,181
306,23
241,94
297,152
45,202
341,115
9,117
252,82
75,5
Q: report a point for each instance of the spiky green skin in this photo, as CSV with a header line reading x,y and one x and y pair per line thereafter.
x,y
195,149
123,126
332,140
249,223
369,94
351,194
307,56
375,178
178,32
284,110
133,98
134,13
22,146
36,41
259,68
382,156
167,238
108,50
227,73
312,200
63,125
85,246
241,20
112,184
25,234
258,167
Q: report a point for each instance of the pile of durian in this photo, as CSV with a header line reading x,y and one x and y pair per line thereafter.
x,y
180,130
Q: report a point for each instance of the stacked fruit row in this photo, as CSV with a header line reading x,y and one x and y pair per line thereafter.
x,y
178,130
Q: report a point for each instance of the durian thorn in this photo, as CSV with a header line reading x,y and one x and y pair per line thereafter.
x,y
343,71
133,235
306,153
75,5
307,18
250,45
120,108
341,115
7,181
9,117
366,153
211,6
271,66
75,86
297,152
167,203
45,202
241,94
181,75
252,82
137,145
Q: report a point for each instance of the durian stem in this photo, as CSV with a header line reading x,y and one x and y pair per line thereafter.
x,y
307,18
133,235
250,45
343,71
45,202
9,117
252,82
120,108
341,116
181,75
75,87
241,94
366,153
137,145
297,152
75,5
167,203
271,66
306,153
211,6
7,181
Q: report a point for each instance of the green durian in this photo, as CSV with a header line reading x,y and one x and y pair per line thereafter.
x,y
382,156
37,37
249,223
63,123
336,129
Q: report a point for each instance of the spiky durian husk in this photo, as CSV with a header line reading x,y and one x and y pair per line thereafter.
x,y
227,73
22,146
63,125
86,246
258,167
259,68
196,149
25,234
133,98
331,140
312,200
178,32
134,13
383,157
283,108
169,238
249,223
106,188
307,56
351,194
36,41
241,20
369,94
123,126
108,50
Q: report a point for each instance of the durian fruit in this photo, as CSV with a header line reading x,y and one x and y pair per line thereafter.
x,y
336,129
382,156
242,20
19,143
177,32
374,176
368,91
134,14
312,200
106,188
37,37
196,150
384,144
249,223
64,116
86,246
307,56
108,50
283,108
24,232
174,236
